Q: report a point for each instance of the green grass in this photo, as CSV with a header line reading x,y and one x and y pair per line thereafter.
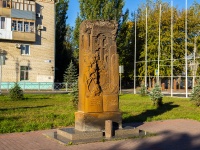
x,y
47,111
35,113
139,109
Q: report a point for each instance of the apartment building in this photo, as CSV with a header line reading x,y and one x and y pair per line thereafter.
x,y
27,40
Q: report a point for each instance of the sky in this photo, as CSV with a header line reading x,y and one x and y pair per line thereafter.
x,y
132,5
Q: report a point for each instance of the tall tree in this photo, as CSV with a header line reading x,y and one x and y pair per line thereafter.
x,y
63,40
125,47
165,36
97,10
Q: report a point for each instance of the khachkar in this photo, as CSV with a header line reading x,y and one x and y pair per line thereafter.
x,y
98,76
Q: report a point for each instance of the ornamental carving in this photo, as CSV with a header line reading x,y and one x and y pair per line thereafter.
x,y
98,67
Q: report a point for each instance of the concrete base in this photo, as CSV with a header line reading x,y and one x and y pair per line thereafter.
x,y
73,136
96,121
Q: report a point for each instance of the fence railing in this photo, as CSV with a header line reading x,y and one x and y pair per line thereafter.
x,y
39,86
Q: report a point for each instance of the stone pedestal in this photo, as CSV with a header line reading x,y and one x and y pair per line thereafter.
x,y
96,121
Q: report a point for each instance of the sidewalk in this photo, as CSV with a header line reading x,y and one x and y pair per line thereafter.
x,y
179,134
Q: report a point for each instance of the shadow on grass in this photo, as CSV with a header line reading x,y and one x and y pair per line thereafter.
x,y
144,116
25,107
9,118
34,98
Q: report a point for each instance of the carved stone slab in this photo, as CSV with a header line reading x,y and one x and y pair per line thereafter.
x,y
98,70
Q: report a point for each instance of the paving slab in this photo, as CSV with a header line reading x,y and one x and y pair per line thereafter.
x,y
179,134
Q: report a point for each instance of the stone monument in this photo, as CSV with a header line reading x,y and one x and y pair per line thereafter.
x,y
98,116
98,76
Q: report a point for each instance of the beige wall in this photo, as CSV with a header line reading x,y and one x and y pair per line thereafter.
x,y
40,51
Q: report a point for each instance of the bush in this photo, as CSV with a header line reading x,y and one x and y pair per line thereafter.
x,y
16,93
156,96
195,95
143,90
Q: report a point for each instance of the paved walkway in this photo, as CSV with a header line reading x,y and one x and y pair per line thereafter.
x,y
179,134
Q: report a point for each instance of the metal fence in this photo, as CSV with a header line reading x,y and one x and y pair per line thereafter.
x,y
37,86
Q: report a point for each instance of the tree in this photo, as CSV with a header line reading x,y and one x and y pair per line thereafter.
x,y
63,40
195,96
76,38
101,10
125,47
156,96
70,75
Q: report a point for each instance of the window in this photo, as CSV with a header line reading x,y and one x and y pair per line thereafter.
x,y
25,6
25,50
21,6
23,25
2,22
14,25
24,73
20,26
29,7
32,27
4,3
26,26
16,5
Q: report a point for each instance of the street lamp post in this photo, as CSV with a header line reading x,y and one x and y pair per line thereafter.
x,y
121,70
2,62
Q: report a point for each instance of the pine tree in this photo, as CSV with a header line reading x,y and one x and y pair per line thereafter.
x,y
70,75
156,96
195,95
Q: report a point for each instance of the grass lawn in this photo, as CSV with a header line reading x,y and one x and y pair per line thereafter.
x,y
46,111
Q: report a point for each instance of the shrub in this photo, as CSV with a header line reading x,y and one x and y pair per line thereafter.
x,y
74,94
143,90
156,96
16,93
195,95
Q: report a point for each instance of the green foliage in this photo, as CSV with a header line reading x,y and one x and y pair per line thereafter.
x,y
16,93
156,96
195,95
75,95
64,44
153,12
143,90
71,77
101,10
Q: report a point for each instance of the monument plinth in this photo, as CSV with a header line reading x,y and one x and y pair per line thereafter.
x,y
98,76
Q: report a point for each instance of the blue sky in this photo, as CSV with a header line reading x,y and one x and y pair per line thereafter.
x,y
132,5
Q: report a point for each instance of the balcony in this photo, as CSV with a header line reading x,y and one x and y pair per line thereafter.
x,y
6,12
24,36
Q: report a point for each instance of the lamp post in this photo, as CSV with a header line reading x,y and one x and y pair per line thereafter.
x,y
2,62
121,70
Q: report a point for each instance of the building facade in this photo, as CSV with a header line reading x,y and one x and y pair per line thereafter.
x,y
27,40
